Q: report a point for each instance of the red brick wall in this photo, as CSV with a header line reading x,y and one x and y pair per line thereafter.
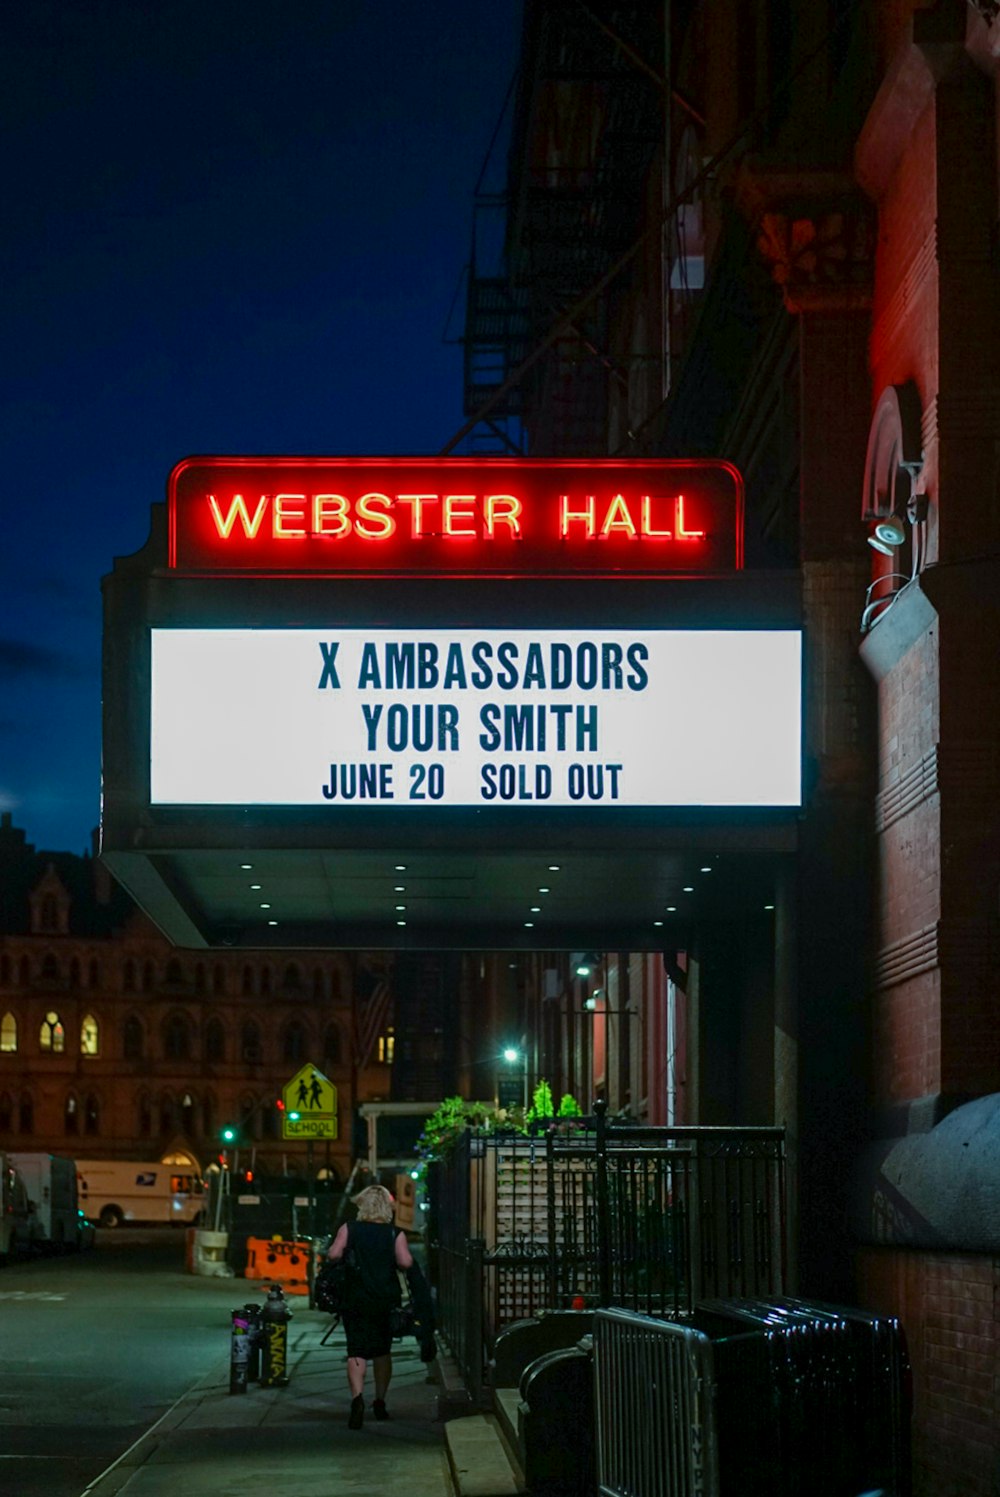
x,y
949,1305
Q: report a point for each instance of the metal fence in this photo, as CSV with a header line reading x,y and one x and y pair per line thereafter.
x,y
752,1400
654,1408
590,1214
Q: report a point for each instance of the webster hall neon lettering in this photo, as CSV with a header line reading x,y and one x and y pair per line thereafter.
x,y
433,515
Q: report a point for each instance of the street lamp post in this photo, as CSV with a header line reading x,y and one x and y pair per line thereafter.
x,y
512,1055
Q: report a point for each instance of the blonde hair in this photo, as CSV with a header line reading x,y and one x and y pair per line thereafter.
x,y
375,1204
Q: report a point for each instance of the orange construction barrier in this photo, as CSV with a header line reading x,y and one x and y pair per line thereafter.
x,y
278,1261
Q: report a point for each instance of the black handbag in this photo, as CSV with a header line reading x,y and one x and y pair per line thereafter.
x,y
402,1317
330,1287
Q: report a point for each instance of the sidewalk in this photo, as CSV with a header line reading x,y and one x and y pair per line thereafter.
x,y
293,1439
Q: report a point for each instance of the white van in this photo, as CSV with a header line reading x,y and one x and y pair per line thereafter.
x,y
51,1185
113,1191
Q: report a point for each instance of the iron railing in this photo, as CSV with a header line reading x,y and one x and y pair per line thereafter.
x,y
590,1214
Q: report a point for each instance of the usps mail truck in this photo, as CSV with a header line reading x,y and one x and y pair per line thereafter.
x,y
114,1191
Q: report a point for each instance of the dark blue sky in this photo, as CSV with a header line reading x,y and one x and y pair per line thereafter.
x,y
231,226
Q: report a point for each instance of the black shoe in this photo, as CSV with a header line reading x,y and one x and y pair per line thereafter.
x,y
356,1418
379,1409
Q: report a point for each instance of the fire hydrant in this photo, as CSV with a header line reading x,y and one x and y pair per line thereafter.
x,y
274,1318
239,1352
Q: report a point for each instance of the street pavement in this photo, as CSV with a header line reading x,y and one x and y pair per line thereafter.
x,y
293,1439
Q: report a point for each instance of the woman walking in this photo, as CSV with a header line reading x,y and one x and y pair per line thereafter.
x,y
373,1251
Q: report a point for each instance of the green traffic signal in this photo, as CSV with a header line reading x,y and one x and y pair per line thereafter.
x,y
229,1134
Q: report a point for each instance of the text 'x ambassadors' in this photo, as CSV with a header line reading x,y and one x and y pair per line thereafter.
x,y
421,665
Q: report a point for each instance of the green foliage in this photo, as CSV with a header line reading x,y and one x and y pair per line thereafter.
x,y
446,1125
569,1107
542,1105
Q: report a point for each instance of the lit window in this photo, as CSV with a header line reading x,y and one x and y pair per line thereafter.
x,y
52,1036
386,1048
89,1036
8,1034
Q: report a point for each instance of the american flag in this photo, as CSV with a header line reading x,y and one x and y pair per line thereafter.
x,y
371,1011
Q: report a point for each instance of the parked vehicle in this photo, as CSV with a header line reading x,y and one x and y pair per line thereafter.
x,y
113,1191
52,1193
15,1212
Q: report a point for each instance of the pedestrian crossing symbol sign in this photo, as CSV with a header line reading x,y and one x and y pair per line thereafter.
x,y
310,1105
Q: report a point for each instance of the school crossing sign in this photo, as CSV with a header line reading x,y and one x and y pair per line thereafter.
x,y
310,1106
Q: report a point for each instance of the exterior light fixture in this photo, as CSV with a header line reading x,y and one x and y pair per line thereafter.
x,y
399,888
657,922
400,922
706,869
255,886
543,890
671,909
246,867
511,1056
536,909
401,906
529,925
400,868
688,889
272,922
888,533
553,867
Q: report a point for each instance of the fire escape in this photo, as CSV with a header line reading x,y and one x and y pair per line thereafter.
x,y
588,121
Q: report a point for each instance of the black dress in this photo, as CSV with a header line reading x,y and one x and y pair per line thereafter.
x,y
373,1288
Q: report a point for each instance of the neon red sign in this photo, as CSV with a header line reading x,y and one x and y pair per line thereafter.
x,y
593,517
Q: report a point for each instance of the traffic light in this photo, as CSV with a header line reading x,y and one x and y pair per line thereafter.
x,y
229,1134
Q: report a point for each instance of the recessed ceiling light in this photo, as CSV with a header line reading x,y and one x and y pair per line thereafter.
x,y
272,922
399,888
536,909
543,891
553,867
246,866
255,886
401,906
657,922
265,906
671,909
769,907
400,867
705,870
529,925
400,922
688,889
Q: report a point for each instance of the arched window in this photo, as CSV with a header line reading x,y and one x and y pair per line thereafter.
x,y
175,972
166,1113
26,1114
265,979
247,987
71,1115
50,968
6,1112
89,1036
199,978
49,918
293,977
219,980
250,1041
188,1119
132,1038
331,1045
51,1035
94,974
215,1041
5,970
147,977
319,984
177,1038
74,973
91,1115
128,978
144,1115
294,1047
8,1034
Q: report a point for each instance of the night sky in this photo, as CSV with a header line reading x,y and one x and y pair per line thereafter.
x,y
230,226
